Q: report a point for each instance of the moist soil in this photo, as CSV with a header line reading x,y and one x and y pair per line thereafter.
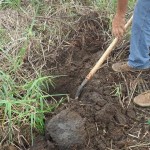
x,y
111,120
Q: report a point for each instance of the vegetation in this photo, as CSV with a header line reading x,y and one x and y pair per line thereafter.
x,y
31,34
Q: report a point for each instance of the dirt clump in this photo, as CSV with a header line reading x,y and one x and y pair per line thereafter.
x,y
42,144
111,119
67,130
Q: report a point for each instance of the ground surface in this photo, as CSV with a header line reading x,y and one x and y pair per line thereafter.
x,y
111,120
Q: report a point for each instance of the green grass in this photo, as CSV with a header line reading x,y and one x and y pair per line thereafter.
x,y
11,3
24,104
23,96
118,91
23,99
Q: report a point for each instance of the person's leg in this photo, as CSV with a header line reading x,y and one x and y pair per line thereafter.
x,y
139,57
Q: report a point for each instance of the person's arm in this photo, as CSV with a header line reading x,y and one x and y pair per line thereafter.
x,y
119,19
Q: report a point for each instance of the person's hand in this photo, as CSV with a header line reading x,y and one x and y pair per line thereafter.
x,y
118,24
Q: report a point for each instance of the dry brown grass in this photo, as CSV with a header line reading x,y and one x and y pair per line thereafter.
x,y
32,37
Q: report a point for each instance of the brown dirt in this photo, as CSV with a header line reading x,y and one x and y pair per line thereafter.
x,y
109,122
112,120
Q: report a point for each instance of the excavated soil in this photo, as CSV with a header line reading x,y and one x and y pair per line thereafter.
x,y
112,121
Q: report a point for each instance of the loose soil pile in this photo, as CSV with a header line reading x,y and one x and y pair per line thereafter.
x,y
112,121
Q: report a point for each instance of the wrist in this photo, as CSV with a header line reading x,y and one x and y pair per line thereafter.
x,y
120,15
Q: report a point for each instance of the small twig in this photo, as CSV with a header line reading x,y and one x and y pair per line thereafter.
x,y
147,132
134,136
97,129
139,145
125,83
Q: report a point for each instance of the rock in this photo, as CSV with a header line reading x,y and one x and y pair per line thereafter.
x,y
67,130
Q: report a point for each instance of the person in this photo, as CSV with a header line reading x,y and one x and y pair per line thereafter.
x,y
139,57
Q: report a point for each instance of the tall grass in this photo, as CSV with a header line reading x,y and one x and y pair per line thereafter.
x,y
23,96
23,104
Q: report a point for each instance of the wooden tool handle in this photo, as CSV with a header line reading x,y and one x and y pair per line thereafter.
x,y
107,52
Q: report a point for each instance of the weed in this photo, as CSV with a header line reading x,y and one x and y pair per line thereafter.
x,y
117,91
11,3
24,104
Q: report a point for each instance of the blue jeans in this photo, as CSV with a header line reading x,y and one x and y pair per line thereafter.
x,y
140,37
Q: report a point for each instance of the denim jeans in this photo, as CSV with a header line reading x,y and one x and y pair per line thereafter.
x,y
140,37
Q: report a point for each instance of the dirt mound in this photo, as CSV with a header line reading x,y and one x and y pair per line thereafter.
x,y
106,121
89,33
85,46
109,123
66,129
112,121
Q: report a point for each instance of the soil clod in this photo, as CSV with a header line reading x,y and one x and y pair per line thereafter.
x,y
67,130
